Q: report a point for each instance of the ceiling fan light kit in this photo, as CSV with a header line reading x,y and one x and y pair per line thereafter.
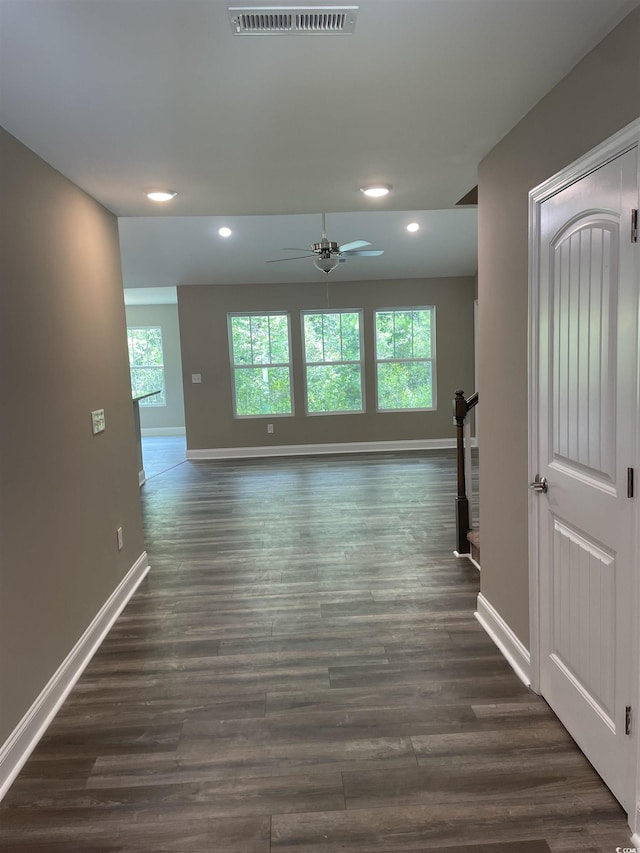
x,y
326,264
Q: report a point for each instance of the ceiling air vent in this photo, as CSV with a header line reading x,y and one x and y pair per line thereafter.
x,y
292,20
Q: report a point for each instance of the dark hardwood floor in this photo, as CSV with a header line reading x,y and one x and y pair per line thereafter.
x,y
301,671
162,453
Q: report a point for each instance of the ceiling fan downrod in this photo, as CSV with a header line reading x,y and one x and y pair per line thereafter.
x,y
326,248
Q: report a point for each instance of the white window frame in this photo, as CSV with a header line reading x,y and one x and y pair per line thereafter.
x,y
254,366
150,402
432,359
307,364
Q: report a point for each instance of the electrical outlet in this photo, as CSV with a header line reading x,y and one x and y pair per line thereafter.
x,y
120,538
270,428
196,378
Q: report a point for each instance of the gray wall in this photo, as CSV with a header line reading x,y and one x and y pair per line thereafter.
x,y
599,97
63,492
205,349
170,417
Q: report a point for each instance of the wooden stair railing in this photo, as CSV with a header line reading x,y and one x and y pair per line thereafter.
x,y
461,408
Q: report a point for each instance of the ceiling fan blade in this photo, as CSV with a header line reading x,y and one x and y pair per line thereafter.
x,y
294,249
356,244
367,253
280,260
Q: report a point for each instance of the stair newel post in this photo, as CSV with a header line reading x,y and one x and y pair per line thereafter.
x,y
462,502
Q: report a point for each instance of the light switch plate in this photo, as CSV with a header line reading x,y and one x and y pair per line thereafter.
x,y
196,378
97,421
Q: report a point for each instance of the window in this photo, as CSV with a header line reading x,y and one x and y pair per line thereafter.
x,y
260,359
333,361
405,359
146,363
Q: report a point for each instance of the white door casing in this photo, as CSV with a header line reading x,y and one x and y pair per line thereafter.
x,y
583,438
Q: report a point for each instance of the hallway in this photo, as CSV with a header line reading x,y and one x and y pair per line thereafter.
x,y
301,671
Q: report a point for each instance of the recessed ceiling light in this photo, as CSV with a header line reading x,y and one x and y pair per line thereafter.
x,y
376,190
224,232
161,195
413,226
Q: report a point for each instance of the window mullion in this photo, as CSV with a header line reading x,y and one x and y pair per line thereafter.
x,y
394,334
324,350
413,337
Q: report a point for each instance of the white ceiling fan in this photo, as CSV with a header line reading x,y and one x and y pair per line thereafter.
x,y
327,254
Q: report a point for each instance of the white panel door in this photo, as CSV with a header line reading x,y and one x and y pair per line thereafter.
x,y
587,423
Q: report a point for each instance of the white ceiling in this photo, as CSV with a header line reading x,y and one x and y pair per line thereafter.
x,y
123,96
189,250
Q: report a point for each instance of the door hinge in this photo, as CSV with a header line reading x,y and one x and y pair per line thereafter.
x,y
634,225
629,482
627,720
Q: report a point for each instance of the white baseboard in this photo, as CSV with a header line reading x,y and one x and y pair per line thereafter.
x,y
467,557
514,651
147,432
634,821
24,738
320,449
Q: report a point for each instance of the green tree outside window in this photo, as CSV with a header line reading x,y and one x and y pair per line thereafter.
x,y
333,361
405,358
146,364
261,364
